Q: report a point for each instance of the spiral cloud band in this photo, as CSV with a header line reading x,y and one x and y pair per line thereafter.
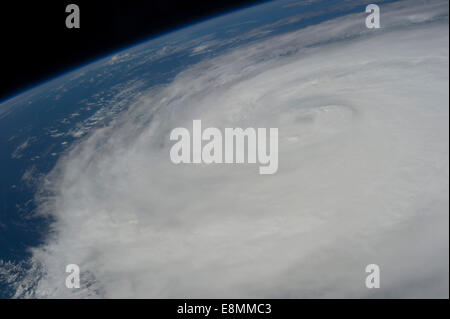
x,y
362,118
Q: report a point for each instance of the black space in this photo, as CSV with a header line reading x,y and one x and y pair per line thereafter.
x,y
36,45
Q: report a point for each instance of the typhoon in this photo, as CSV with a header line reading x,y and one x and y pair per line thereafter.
x,y
362,173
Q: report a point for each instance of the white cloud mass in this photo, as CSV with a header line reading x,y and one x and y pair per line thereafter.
x,y
363,174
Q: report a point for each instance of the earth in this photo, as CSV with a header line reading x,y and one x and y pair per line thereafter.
x,y
362,114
